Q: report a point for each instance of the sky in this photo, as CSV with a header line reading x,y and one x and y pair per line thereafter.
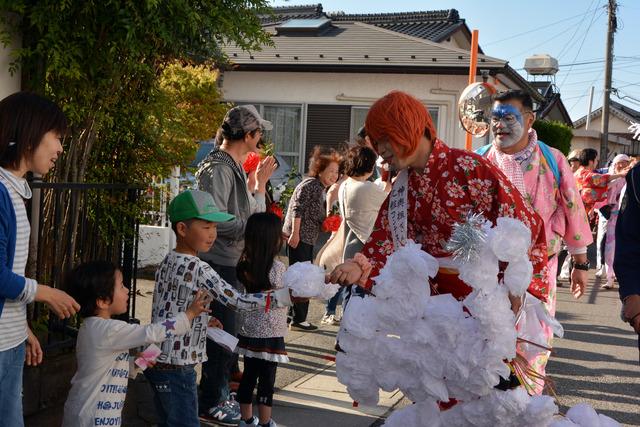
x,y
572,31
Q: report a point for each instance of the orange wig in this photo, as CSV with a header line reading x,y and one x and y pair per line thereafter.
x,y
400,118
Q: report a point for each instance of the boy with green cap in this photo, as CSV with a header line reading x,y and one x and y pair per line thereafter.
x,y
194,218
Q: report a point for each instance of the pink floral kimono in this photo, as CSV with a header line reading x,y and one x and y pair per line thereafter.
x,y
563,213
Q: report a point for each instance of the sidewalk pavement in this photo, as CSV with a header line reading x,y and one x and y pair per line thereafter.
x,y
307,391
318,399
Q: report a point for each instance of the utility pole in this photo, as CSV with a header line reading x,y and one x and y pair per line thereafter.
x,y
604,126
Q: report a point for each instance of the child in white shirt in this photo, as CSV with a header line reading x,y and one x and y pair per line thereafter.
x,y
99,386
194,218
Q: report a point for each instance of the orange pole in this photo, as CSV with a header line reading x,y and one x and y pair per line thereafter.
x,y
472,74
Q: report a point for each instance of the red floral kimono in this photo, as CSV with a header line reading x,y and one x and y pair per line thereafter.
x,y
593,187
454,183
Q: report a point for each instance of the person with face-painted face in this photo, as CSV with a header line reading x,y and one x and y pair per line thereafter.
x,y
442,185
516,150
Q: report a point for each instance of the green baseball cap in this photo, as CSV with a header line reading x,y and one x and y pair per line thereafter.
x,y
196,204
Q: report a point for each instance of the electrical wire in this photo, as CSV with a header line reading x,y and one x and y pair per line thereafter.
x,y
536,29
593,19
562,51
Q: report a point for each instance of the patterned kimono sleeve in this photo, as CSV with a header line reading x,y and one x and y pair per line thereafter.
x,y
226,294
597,180
577,232
508,202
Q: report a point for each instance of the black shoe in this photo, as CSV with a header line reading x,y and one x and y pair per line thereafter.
x,y
305,326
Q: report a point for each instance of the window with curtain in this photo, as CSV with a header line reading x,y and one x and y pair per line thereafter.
x,y
286,135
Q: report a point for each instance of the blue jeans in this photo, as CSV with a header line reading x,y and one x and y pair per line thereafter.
x,y
332,304
216,371
11,366
175,395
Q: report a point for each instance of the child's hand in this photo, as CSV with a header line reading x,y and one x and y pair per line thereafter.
x,y
215,323
200,304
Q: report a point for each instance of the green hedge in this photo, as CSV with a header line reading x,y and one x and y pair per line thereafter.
x,y
555,134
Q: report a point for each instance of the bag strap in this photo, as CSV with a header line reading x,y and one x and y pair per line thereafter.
x,y
551,160
483,150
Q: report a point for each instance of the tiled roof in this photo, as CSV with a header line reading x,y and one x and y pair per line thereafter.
x,y
625,113
361,46
434,25
285,13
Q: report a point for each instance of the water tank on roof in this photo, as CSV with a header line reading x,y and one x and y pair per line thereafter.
x,y
541,65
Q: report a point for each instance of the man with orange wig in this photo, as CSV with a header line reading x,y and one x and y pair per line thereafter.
x,y
436,187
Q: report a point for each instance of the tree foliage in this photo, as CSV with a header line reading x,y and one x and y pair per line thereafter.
x,y
555,134
105,62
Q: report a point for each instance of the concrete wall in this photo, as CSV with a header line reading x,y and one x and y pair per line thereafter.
x,y
615,124
351,89
8,83
153,244
591,139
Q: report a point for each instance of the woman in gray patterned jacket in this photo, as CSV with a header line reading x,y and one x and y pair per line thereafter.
x,y
305,214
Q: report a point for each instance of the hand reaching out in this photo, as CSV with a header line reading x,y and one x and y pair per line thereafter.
x,y
200,304
215,323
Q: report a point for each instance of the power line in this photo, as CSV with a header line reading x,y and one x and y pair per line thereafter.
x,y
593,18
529,49
536,29
577,29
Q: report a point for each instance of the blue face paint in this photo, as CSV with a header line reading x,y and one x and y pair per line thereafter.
x,y
507,125
502,111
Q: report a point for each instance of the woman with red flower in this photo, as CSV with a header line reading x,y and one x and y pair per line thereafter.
x,y
305,215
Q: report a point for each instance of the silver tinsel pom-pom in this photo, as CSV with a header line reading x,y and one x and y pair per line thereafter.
x,y
467,238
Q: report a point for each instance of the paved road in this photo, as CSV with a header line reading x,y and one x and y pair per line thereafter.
x,y
597,360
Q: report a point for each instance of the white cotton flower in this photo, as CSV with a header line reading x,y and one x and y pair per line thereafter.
x,y
307,281
509,239
540,411
563,422
481,273
517,276
357,376
608,421
433,347
418,414
327,291
360,319
583,415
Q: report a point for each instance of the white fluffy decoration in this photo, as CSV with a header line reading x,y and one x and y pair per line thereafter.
x,y
509,239
433,347
307,281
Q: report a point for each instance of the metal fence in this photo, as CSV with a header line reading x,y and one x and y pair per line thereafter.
x,y
73,223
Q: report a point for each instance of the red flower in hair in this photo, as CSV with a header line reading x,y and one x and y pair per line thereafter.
x,y
332,223
276,209
251,163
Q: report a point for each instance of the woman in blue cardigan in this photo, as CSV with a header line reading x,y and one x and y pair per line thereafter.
x,y
30,132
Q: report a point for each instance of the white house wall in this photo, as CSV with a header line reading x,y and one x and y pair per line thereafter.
x,y
350,89
615,124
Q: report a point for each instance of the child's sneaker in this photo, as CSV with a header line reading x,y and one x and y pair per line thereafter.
x,y
270,424
225,414
254,422
329,319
